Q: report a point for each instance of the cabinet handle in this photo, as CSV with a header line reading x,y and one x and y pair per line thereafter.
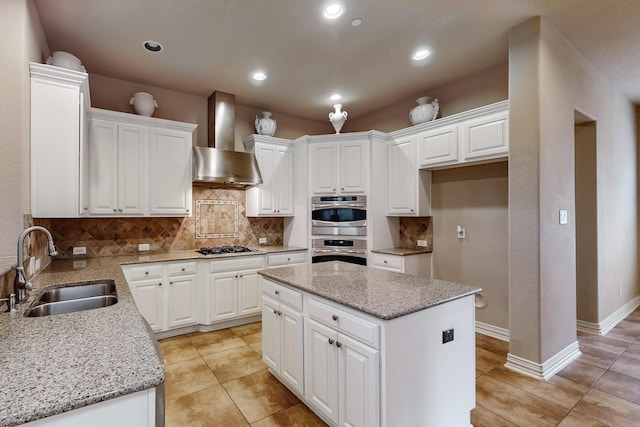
x,y
146,273
385,261
171,283
279,313
342,189
187,210
411,210
288,259
160,284
275,311
335,317
241,276
182,268
338,344
331,341
277,292
120,209
115,210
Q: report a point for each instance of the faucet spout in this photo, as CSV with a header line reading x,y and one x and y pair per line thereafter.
x,y
20,284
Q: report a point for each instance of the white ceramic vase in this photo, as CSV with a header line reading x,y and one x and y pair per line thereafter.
x,y
143,103
424,111
265,125
337,117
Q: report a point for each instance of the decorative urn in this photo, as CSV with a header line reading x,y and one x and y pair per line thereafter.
x,y
424,111
143,103
337,117
265,125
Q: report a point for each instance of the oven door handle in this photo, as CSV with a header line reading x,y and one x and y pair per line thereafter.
x,y
340,251
337,205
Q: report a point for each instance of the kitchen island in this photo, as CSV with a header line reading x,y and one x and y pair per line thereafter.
x,y
367,347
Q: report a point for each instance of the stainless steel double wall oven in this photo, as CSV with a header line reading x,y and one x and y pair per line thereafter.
x,y
339,228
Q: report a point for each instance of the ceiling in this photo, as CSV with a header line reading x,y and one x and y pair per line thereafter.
x,y
217,44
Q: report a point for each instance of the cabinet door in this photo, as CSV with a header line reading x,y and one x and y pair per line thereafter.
x,y
248,292
438,146
321,368
267,157
182,301
359,387
323,160
223,296
271,333
148,297
485,137
402,178
169,173
291,353
354,167
103,168
284,188
131,170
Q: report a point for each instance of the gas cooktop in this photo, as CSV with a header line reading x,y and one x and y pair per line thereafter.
x,y
216,250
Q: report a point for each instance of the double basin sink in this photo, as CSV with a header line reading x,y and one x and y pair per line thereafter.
x,y
73,297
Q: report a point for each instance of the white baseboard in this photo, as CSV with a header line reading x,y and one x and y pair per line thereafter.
x,y
547,369
492,331
610,322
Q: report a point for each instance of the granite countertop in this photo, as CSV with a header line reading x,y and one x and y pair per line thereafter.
x,y
54,364
380,293
402,251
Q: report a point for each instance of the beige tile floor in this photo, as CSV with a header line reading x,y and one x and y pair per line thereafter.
x,y
218,379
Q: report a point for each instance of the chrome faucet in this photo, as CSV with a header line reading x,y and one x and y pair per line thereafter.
x,y
20,284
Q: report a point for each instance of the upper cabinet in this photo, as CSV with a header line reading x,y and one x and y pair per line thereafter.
x,y
476,136
339,165
408,188
139,165
274,197
59,130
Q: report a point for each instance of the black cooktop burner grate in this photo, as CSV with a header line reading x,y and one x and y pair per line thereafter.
x,y
223,250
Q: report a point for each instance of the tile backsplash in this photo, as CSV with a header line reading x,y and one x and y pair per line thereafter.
x,y
414,229
121,236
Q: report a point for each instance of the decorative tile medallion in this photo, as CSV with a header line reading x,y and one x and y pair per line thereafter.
x,y
216,219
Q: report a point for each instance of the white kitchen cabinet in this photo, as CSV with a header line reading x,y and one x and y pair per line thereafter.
x,y
170,172
166,294
117,159
140,165
274,197
342,376
282,336
59,135
233,288
416,264
408,189
339,167
286,259
476,136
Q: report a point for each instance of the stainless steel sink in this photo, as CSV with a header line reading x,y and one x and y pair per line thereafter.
x,y
74,297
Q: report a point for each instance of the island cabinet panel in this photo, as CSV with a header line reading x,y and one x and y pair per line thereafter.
x,y
321,360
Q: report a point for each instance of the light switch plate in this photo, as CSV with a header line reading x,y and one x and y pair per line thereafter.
x,y
564,216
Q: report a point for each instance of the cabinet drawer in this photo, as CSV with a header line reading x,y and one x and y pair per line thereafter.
x,y
360,329
236,263
282,294
286,258
387,261
143,271
182,268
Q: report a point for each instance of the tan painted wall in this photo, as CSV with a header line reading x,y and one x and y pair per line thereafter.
x,y
22,41
114,94
548,80
475,197
474,91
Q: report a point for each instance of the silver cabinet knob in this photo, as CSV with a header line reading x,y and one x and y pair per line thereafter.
x,y
338,344
146,273
385,261
277,292
182,268
335,317
120,210
331,341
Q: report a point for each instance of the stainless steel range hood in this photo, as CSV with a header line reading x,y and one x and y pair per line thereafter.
x,y
219,164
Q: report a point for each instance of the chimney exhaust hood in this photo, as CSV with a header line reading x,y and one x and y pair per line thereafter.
x,y
219,164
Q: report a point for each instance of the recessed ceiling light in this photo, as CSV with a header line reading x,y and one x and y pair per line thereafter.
x,y
333,11
259,75
152,46
335,97
420,54
356,22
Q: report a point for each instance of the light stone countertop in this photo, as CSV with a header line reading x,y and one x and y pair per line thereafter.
x,y
380,293
402,251
54,364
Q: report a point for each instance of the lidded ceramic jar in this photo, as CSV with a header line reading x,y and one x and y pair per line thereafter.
x,y
265,125
424,111
143,103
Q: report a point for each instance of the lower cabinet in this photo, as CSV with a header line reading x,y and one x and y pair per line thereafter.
x,y
416,264
286,259
342,376
166,294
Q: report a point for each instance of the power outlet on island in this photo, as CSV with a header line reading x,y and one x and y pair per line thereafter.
x,y
447,336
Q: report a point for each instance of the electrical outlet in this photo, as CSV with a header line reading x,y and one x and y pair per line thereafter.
x,y
38,264
32,265
461,232
447,336
262,240
143,247
79,250
422,243
620,290
564,217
